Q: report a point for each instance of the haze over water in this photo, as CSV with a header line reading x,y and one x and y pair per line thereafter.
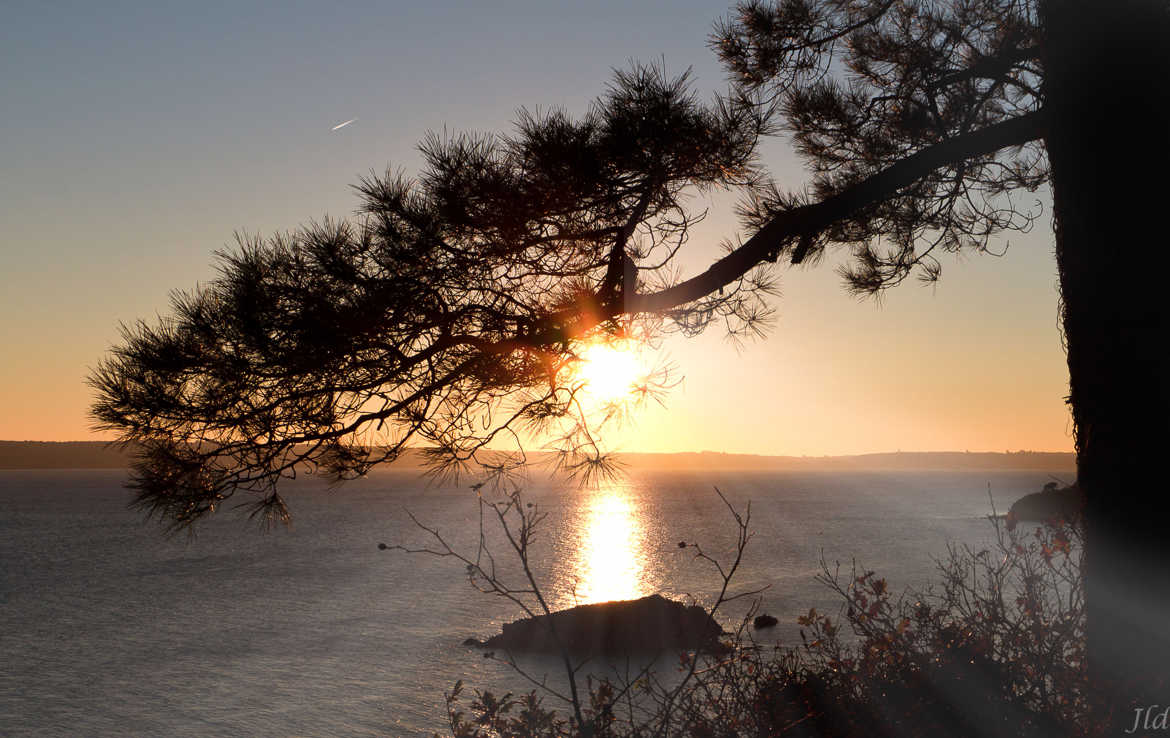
x,y
108,628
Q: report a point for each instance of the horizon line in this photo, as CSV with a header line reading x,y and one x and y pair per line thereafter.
x,y
1005,452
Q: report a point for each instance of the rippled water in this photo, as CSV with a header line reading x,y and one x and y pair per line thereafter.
x,y
108,628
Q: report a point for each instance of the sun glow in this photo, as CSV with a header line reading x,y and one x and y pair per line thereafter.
x,y
610,370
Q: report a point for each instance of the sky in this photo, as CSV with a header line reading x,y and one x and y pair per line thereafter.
x,y
137,137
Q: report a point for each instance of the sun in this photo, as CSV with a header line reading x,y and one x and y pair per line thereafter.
x,y
610,370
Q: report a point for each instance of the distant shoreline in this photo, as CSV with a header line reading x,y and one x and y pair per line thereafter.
x,y
100,455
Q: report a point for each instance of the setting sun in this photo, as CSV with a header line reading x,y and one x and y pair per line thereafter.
x,y
609,370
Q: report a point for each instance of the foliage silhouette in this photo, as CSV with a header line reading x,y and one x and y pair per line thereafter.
x,y
451,313
995,647
869,85
450,316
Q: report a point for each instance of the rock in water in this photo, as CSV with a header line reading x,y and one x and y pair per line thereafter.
x,y
764,621
1052,503
652,623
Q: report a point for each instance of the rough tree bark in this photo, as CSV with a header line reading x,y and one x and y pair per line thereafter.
x,y
1108,95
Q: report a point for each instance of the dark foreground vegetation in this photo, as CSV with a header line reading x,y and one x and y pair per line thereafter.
x,y
995,647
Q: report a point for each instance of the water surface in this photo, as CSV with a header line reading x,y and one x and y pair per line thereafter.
x,y
108,628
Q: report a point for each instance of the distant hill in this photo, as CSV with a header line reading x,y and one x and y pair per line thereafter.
x,y
897,461
98,455
64,455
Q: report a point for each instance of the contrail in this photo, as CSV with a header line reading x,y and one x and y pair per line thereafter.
x,y
343,125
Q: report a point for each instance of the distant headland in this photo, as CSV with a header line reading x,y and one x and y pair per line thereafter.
x,y
99,455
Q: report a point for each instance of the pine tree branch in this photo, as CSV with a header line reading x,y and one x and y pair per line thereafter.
x,y
791,225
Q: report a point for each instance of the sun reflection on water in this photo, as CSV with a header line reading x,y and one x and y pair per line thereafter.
x,y
610,561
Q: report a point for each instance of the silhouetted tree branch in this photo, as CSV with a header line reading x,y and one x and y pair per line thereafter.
x,y
794,230
453,313
450,316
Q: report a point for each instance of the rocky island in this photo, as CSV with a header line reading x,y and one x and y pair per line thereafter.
x,y
649,624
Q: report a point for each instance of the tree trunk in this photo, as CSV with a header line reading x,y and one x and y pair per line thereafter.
x,y
1107,87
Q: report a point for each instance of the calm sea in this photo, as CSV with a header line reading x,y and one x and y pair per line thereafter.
x,y
109,628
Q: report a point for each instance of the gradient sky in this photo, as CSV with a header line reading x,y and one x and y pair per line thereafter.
x,y
136,137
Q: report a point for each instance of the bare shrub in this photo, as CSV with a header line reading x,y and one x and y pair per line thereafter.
x,y
995,647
